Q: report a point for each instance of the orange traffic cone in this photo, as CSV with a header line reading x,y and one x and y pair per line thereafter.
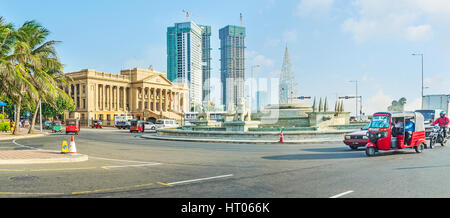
x,y
72,146
281,137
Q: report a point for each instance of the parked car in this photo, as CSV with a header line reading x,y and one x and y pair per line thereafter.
x,y
357,139
163,124
149,126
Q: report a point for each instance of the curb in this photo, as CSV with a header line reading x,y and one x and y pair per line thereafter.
x,y
72,159
212,140
24,137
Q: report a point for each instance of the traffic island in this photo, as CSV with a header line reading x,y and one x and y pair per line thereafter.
x,y
38,157
295,137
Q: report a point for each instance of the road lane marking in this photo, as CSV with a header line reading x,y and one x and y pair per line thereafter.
x,y
112,189
7,170
20,145
130,161
63,169
164,184
342,194
26,193
136,165
201,179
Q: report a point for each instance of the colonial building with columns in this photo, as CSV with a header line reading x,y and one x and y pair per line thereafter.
x,y
145,94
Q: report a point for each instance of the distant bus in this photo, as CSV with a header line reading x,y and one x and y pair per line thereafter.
x,y
190,116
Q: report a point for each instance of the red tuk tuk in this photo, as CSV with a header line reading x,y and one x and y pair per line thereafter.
x,y
97,124
384,135
136,125
72,125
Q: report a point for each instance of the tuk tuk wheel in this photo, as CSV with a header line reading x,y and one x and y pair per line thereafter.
x,y
419,148
370,151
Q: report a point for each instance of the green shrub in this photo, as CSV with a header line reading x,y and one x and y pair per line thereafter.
x,y
5,127
2,117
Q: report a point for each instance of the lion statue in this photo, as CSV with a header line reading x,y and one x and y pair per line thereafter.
x,y
242,113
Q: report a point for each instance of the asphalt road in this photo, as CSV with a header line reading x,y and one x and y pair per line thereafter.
x,y
122,165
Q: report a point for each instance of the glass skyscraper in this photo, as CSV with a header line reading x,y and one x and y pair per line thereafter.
x,y
206,63
184,58
232,63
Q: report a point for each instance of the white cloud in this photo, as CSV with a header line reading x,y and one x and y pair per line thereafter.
x,y
378,102
254,58
314,7
399,19
148,56
437,84
413,105
419,33
290,36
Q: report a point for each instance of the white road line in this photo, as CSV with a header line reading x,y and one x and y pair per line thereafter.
x,y
138,165
129,161
14,141
342,194
202,179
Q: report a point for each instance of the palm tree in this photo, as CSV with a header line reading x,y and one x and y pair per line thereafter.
x,y
30,58
30,71
48,74
6,45
12,75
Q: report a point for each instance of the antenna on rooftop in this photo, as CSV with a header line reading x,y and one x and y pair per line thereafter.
x,y
241,19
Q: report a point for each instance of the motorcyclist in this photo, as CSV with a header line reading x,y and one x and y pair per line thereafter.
x,y
443,122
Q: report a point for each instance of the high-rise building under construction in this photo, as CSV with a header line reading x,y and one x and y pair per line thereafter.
x,y
206,63
232,63
185,62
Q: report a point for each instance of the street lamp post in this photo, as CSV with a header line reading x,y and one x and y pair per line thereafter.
x,y
356,99
421,55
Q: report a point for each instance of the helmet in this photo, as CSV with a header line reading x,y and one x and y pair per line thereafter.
x,y
442,113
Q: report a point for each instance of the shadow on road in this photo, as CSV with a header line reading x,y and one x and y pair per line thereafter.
x,y
316,156
335,149
423,167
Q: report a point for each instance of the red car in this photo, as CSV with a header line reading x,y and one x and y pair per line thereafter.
x,y
357,139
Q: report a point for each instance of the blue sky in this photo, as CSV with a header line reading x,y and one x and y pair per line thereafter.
x,y
330,41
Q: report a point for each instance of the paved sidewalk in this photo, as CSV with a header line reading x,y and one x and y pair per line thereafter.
x,y
22,134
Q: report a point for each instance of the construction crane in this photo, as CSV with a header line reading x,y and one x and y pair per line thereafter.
x,y
187,14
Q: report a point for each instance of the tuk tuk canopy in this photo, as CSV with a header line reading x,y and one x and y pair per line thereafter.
x,y
72,122
418,119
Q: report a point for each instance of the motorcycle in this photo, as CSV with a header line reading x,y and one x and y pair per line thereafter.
x,y
437,136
